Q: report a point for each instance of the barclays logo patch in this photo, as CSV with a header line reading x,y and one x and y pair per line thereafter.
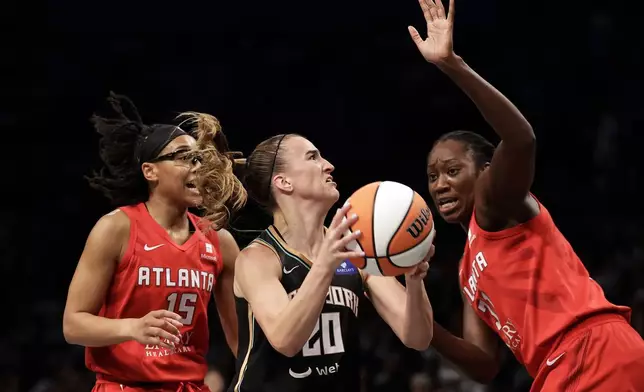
x,y
346,268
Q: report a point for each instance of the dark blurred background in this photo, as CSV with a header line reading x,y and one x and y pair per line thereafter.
x,y
347,76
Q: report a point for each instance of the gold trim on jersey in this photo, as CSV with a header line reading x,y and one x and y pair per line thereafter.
x,y
275,234
251,340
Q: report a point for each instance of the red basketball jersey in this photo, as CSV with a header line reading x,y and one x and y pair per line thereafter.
x,y
157,273
529,286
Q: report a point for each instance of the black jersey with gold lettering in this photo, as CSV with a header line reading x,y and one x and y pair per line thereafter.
x,y
329,360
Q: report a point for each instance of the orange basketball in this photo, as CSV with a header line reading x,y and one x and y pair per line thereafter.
x,y
397,228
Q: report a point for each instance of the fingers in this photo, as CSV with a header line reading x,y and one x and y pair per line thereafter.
x,y
339,214
351,255
163,335
425,7
440,9
432,250
345,225
168,325
414,35
165,313
450,16
433,9
176,324
344,241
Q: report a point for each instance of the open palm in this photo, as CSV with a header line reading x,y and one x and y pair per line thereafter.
x,y
439,43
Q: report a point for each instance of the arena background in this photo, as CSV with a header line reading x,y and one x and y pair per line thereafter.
x,y
346,75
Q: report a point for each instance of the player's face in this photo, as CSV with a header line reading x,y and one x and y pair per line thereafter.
x,y
451,174
307,175
173,172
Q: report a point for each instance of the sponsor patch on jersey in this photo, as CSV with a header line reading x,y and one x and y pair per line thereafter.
x,y
346,268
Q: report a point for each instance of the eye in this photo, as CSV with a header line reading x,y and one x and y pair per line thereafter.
x,y
453,171
432,177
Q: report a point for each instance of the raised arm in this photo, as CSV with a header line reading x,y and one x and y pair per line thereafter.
x,y
224,296
104,249
406,309
288,324
504,187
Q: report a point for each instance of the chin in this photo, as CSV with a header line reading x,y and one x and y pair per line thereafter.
x,y
193,201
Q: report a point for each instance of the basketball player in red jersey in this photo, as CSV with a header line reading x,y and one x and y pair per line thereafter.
x,y
520,277
138,299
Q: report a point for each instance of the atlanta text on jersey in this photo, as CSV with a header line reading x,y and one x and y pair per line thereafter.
x,y
478,266
175,277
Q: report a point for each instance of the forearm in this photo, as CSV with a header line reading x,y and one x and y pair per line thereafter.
x,y
88,330
418,325
506,120
294,325
476,363
229,326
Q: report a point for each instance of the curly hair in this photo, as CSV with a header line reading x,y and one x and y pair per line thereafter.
x,y
120,179
220,188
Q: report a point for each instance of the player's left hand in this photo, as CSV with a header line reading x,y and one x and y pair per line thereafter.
x,y
439,45
420,271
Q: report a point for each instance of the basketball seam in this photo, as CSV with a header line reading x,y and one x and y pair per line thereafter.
x,y
411,203
407,250
373,230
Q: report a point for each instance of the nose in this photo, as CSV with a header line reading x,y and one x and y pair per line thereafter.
x,y
440,185
328,167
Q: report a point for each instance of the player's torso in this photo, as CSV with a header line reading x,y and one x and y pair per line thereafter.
x,y
157,273
330,358
528,285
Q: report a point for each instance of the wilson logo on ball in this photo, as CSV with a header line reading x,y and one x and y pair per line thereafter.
x,y
419,224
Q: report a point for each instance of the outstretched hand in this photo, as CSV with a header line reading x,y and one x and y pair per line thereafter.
x,y
439,45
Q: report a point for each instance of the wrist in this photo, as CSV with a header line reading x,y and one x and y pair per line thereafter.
x,y
125,330
414,286
323,269
451,63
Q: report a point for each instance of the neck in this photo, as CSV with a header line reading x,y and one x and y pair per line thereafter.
x,y
302,226
168,215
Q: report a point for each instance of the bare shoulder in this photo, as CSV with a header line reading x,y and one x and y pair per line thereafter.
x,y
256,261
228,247
226,239
114,226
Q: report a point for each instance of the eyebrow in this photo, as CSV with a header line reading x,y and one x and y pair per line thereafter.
x,y
312,152
444,161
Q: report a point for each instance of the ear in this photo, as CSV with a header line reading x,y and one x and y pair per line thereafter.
x,y
485,166
149,171
282,183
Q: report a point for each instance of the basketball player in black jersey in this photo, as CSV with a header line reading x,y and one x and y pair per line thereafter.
x,y
297,296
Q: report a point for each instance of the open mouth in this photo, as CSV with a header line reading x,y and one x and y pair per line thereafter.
x,y
329,180
192,187
447,204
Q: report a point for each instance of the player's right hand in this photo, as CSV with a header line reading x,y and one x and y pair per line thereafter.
x,y
159,327
333,250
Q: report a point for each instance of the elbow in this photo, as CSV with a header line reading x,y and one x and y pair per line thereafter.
x,y
526,140
285,345
420,343
286,349
68,330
